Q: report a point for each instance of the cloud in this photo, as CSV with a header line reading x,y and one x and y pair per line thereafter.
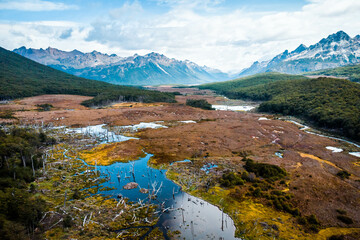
x,y
35,5
66,34
229,40
42,34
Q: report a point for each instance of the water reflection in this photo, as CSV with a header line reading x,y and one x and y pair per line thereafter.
x,y
193,217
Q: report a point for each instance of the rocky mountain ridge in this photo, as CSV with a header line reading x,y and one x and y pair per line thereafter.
x,y
338,49
150,69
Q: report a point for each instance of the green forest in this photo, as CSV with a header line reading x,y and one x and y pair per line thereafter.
x,y
229,87
328,103
351,72
20,158
21,77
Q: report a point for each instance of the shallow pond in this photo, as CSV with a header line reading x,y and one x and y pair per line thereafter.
x,y
232,108
193,217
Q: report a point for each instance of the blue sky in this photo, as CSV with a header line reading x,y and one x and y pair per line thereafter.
x,y
224,34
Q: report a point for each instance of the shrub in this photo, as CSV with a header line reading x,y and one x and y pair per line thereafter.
x,y
200,103
231,179
345,219
264,170
336,237
340,211
44,107
7,114
68,222
310,222
343,174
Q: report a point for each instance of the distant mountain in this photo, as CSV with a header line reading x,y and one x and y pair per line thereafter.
x,y
150,69
22,77
334,51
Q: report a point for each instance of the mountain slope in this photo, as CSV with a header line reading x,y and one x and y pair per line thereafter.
x,y
230,88
336,50
150,69
350,72
21,77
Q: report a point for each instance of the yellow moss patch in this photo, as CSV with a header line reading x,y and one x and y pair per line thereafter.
x,y
328,232
107,154
248,215
305,155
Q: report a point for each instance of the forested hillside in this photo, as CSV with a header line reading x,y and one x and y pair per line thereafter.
x,y
21,77
329,103
351,72
229,88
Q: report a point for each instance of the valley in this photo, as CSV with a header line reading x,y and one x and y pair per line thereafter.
x,y
213,155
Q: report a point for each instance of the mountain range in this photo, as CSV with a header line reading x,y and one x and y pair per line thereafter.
x,y
150,69
21,77
338,49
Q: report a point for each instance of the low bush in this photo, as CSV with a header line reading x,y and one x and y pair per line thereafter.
x,y
199,103
265,170
343,174
44,107
310,222
231,179
345,219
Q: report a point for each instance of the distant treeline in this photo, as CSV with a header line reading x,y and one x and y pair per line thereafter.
x,y
231,87
328,103
21,77
351,72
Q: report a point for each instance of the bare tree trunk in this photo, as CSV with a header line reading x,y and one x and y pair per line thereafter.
x,y
44,159
65,198
95,166
23,159
32,164
7,163
222,220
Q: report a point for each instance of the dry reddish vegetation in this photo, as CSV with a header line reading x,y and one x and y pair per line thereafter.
x,y
221,135
58,101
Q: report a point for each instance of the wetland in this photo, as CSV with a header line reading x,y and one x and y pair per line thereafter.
x,y
170,171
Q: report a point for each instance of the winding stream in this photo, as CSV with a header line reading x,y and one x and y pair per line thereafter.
x,y
307,130
193,217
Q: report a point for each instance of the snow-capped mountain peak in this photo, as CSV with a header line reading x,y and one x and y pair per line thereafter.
x,y
152,68
336,50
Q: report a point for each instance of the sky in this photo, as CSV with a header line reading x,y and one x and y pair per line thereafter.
x,y
225,34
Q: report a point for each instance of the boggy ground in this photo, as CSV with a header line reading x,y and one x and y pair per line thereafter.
x,y
224,138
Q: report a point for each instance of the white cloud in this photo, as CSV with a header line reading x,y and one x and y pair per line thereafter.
x,y
228,40
35,5
43,34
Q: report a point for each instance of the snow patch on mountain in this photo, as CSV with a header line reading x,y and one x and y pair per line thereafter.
x,y
336,50
150,69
